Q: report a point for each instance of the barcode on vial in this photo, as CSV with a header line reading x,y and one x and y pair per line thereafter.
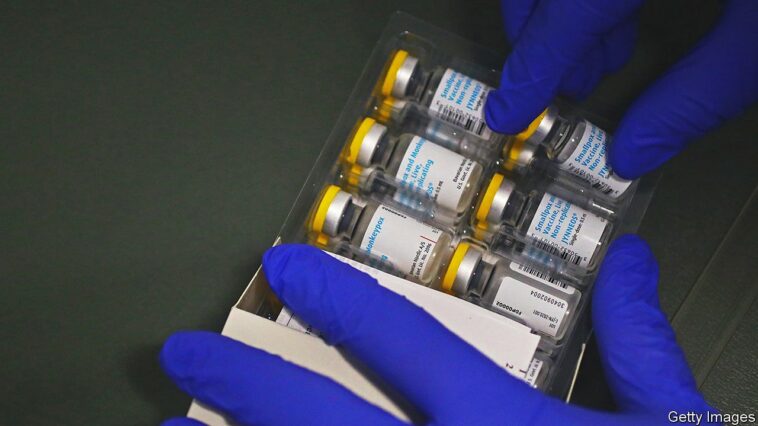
x,y
462,119
540,274
602,187
563,254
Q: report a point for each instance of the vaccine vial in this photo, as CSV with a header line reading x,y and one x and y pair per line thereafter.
x,y
381,236
575,146
450,95
520,292
544,221
414,118
416,164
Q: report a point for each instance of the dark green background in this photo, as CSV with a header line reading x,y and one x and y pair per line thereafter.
x,y
150,152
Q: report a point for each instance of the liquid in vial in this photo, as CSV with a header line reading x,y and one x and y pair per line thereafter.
x,y
575,146
517,291
450,95
414,118
381,236
416,164
544,221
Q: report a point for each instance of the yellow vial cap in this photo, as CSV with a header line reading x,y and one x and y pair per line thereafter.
x,y
533,126
389,78
319,217
329,213
455,262
486,203
511,153
355,144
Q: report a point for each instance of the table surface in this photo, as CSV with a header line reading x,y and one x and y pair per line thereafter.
x,y
150,152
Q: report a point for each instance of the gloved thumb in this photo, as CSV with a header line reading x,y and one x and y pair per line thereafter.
x,y
645,368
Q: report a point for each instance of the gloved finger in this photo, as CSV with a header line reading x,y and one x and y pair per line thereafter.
x,y
254,387
558,35
618,45
716,81
644,366
182,421
611,53
440,374
579,81
399,341
516,14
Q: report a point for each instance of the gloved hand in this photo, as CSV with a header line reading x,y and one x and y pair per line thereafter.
x,y
566,46
448,380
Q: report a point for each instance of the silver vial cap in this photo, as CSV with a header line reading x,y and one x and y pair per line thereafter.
x,y
543,129
403,76
464,273
500,201
335,212
369,144
526,153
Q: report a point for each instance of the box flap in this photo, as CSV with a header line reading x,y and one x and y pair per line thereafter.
x,y
509,344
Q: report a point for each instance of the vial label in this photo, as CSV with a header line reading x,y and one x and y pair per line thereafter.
x,y
288,319
589,162
400,242
541,311
439,172
542,277
566,230
459,100
533,372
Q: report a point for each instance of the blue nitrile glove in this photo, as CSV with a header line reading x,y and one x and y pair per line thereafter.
x,y
566,46
446,379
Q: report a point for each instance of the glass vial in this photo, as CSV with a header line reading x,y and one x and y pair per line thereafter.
x,y
414,118
416,164
380,236
450,95
544,221
511,289
574,145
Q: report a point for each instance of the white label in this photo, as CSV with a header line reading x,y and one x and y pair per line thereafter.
x,y
436,171
533,372
566,230
399,241
589,161
459,100
289,319
539,310
542,277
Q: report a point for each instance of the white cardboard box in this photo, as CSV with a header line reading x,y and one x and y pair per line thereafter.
x,y
508,343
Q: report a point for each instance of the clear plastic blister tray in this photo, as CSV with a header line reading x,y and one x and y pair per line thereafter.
x,y
496,154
